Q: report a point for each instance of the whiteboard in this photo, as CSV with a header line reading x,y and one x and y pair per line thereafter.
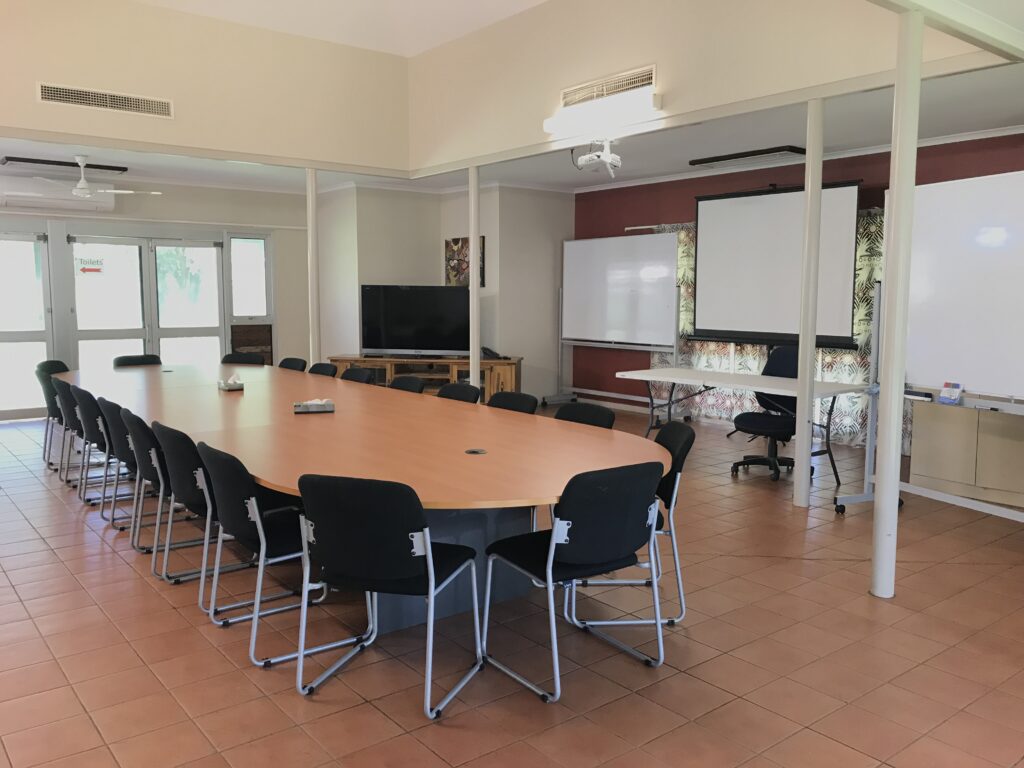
x,y
621,290
966,321
749,254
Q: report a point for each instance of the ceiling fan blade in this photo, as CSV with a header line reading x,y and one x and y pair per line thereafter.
x,y
124,192
22,194
51,181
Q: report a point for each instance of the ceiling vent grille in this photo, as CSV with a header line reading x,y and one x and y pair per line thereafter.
x,y
119,102
598,89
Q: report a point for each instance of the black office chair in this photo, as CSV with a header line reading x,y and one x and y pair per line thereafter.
x,y
778,420
513,401
324,369
54,419
242,358
292,364
358,375
587,413
150,468
72,429
677,438
94,439
120,450
460,391
372,535
408,384
264,523
603,519
125,361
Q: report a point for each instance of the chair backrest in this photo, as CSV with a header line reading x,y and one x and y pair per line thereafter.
x,y
677,438
90,414
361,528
324,369
513,401
782,361
587,413
67,404
459,390
360,375
409,384
292,363
242,358
609,513
183,460
230,486
144,442
117,432
44,372
124,361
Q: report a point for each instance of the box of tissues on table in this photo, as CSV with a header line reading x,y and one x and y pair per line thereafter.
x,y
231,385
315,406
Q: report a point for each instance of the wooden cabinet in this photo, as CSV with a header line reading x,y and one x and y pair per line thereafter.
x,y
496,375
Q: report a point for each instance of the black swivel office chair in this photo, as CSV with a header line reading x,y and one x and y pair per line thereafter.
x,y
460,391
119,448
242,358
587,413
778,420
54,419
408,384
125,361
602,520
372,535
358,375
324,369
292,364
513,401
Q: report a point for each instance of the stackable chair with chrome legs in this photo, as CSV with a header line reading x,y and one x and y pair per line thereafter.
x,y
54,419
603,518
119,447
372,535
94,440
264,522
677,438
150,467
72,430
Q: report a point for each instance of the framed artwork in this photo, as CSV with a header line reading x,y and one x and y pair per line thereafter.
x,y
456,261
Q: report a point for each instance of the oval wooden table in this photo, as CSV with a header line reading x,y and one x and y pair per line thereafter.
x,y
429,443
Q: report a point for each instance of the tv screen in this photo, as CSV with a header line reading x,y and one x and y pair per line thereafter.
x,y
415,319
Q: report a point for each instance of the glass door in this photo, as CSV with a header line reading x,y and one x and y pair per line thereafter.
x,y
25,335
189,314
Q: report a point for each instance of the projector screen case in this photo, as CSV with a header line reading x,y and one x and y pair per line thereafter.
x,y
748,262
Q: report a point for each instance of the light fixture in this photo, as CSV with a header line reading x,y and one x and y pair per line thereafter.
x,y
769,154
605,116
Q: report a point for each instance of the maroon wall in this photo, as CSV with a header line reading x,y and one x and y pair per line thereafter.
x,y
606,213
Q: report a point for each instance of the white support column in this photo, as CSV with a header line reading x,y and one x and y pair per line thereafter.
x,y
474,276
899,222
313,265
808,303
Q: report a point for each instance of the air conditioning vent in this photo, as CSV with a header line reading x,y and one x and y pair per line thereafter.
x,y
120,102
627,81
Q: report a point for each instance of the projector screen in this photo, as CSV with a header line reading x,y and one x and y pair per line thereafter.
x,y
749,253
966,321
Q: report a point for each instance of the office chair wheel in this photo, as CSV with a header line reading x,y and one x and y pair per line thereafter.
x,y
776,475
840,509
734,471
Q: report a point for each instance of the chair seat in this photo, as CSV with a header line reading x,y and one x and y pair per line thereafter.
x,y
448,558
766,425
529,551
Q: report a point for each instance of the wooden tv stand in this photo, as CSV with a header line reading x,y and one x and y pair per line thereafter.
x,y
498,375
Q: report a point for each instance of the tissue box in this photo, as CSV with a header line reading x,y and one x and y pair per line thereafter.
x,y
230,386
314,407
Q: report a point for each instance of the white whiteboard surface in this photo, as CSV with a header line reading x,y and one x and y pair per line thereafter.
x,y
749,254
966,321
621,290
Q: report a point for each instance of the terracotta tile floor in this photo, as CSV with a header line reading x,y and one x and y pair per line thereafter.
x,y
783,658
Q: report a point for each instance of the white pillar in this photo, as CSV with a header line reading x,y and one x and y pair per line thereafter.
x,y
474,276
313,266
899,222
808,303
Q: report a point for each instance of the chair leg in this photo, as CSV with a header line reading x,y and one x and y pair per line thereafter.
x,y
361,642
433,713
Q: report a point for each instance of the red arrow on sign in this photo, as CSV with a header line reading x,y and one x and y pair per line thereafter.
x,y
83,270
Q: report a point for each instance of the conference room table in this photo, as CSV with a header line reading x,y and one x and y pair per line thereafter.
x,y
478,471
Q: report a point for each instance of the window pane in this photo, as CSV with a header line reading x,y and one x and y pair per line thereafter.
x,y
186,286
99,354
20,387
190,350
248,277
21,289
108,286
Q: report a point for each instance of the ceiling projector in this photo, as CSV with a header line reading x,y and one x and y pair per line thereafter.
x,y
603,158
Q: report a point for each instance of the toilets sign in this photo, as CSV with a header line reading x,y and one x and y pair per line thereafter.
x,y
85,266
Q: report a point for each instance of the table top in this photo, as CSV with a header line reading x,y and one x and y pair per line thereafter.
x,y
374,432
771,385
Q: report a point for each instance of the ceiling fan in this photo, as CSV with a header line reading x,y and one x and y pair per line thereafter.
x,y
82,188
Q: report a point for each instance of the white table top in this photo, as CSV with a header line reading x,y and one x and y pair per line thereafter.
x,y
771,385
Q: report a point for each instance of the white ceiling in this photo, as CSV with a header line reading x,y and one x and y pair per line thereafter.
x,y
402,27
986,100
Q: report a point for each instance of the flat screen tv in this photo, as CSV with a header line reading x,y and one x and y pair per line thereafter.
x,y
415,320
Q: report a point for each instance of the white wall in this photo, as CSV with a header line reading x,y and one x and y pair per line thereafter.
x,y
399,240
339,273
455,223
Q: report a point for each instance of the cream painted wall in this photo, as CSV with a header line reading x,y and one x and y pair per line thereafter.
x,y
291,293
339,273
455,223
488,93
399,237
236,89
